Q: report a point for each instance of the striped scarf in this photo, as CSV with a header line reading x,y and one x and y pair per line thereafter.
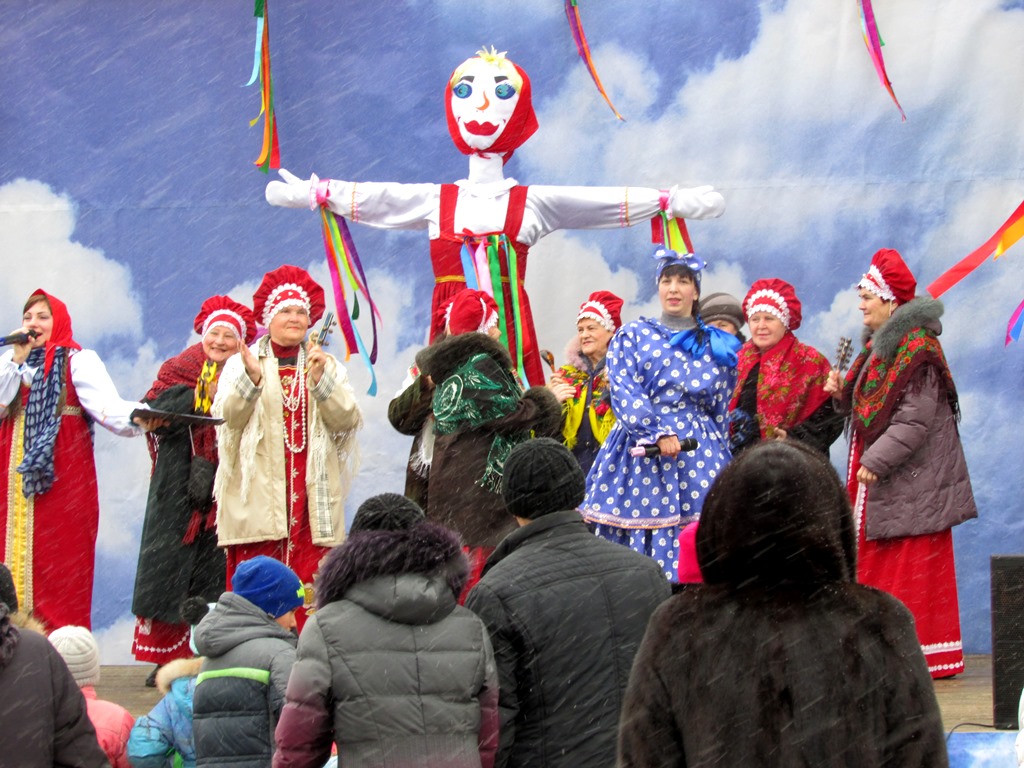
x,y
42,420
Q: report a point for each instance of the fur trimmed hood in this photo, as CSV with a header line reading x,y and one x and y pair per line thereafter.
x,y
175,669
441,358
922,312
426,549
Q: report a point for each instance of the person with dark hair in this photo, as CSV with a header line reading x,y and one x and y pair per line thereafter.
x,y
45,719
780,658
178,553
908,479
671,378
390,668
52,394
566,611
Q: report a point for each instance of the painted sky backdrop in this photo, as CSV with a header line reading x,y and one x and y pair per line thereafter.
x,y
127,184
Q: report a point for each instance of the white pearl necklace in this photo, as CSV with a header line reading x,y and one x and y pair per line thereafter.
x,y
295,402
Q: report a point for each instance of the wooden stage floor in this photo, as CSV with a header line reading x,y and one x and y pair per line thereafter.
x,y
965,700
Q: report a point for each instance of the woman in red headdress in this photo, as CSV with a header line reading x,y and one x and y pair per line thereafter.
x,y
51,393
178,554
780,386
908,478
287,447
581,385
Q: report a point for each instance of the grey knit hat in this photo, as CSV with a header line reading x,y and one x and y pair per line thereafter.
x,y
541,476
80,652
722,306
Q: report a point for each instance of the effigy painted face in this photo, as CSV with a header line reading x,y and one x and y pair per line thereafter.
x,y
484,97
488,105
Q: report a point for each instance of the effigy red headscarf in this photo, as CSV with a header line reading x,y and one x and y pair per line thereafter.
x,y
520,127
61,335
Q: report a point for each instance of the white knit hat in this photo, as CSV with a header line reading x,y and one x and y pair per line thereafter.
x,y
80,652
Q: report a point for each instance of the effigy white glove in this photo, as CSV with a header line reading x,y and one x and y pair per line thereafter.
x,y
293,192
695,202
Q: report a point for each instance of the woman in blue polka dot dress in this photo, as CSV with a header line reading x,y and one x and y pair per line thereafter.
x,y
671,378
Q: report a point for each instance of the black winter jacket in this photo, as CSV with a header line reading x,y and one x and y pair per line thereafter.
x,y
566,612
240,688
43,718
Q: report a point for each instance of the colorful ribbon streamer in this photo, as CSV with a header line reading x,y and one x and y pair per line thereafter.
x,y
874,43
670,232
270,154
345,267
1013,328
572,12
482,256
1004,237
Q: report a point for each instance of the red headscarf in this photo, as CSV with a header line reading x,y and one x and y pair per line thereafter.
x,y
61,335
519,128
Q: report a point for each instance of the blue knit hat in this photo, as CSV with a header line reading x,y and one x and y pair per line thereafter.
x,y
268,584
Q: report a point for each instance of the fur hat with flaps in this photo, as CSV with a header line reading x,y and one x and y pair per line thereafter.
x,y
778,514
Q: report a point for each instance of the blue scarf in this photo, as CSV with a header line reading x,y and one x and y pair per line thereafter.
x,y
42,421
695,341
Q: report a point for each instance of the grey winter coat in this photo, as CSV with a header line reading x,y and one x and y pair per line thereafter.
x,y
391,669
923,484
241,685
566,612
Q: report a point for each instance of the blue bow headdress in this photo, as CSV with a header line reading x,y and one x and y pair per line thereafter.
x,y
668,258
724,346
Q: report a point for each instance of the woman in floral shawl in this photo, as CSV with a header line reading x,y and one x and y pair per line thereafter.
x,y
581,385
908,478
780,391
480,412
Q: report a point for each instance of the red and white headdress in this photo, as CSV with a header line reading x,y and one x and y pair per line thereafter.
x,y
226,312
288,286
889,277
470,310
776,297
604,307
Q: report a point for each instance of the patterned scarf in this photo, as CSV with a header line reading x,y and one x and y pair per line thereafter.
x,y
207,376
790,382
876,393
593,404
42,421
476,393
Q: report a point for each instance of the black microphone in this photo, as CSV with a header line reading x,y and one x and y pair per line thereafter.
x,y
686,445
18,338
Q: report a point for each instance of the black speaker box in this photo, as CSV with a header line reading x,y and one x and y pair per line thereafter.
x,y
1007,638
